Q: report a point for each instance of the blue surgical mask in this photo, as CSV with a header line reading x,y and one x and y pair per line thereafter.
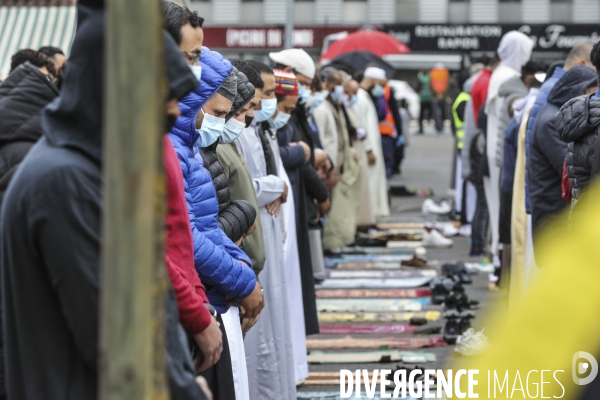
x,y
211,129
267,109
303,94
377,90
352,101
338,93
231,131
280,120
319,98
197,71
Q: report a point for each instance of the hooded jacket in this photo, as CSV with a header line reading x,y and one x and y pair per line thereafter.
x,y
541,99
23,95
51,245
509,91
235,218
578,123
548,151
216,257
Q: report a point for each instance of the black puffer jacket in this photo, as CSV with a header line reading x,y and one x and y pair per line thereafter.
x,y
547,153
578,123
23,95
235,218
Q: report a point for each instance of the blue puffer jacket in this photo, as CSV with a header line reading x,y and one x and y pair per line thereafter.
x,y
215,255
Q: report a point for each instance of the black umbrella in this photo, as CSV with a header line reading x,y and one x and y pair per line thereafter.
x,y
360,60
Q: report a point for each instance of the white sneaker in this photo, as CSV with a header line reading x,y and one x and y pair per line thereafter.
x,y
447,229
433,238
465,230
430,207
471,343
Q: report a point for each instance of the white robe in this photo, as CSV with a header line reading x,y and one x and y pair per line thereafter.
x,y
514,52
367,115
269,354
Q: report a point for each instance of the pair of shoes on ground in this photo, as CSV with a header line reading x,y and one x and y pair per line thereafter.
x,y
452,294
434,238
457,272
471,343
429,207
455,326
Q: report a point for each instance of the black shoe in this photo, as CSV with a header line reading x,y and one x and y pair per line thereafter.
x,y
465,323
428,329
417,321
439,293
451,330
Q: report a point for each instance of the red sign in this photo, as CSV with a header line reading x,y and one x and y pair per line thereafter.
x,y
268,37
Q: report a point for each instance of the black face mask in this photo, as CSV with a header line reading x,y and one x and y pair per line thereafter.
x,y
249,120
170,122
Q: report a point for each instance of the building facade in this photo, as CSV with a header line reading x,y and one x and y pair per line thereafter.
x,y
310,12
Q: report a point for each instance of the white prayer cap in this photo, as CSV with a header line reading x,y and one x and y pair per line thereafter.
x,y
298,59
375,73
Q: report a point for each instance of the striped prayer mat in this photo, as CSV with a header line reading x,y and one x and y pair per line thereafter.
x,y
321,357
373,293
382,274
410,225
377,317
350,342
406,283
371,305
375,328
381,266
370,258
372,250
422,218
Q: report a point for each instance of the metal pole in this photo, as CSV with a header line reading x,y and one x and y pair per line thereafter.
x,y
134,282
289,24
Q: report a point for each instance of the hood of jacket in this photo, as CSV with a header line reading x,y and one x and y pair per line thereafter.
x,y
521,106
215,70
469,83
23,96
578,117
74,118
245,93
572,85
515,50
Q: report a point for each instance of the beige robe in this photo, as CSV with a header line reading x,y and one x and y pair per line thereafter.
x,y
522,267
340,228
377,189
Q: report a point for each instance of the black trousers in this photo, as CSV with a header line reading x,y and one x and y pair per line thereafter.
x,y
425,107
220,375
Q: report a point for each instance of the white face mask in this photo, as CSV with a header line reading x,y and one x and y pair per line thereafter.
x,y
197,71
267,109
232,130
210,130
280,120
338,93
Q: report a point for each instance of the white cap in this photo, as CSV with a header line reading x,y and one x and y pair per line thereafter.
x,y
375,73
298,59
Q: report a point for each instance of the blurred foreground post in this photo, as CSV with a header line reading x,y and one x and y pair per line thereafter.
x,y
133,279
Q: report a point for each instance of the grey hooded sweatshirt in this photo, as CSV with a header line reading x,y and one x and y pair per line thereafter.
x,y
509,91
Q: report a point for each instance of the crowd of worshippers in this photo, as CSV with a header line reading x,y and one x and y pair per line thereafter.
x,y
266,168
526,149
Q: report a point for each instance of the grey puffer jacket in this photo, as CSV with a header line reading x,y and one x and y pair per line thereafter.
x,y
578,123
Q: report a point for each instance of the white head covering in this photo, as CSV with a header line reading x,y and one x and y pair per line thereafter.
x,y
515,50
298,59
375,73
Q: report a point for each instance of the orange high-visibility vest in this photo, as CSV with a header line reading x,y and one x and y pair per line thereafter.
x,y
439,80
388,125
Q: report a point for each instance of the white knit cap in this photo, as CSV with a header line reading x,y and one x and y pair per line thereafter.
x,y
298,59
375,73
